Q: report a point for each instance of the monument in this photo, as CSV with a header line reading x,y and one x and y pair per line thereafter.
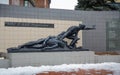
x,y
54,43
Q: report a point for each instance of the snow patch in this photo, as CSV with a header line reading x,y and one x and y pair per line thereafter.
x,y
29,70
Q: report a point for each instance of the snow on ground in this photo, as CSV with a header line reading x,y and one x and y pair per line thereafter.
x,y
29,70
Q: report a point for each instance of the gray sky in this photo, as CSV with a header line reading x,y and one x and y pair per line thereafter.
x,y
63,4
4,1
58,4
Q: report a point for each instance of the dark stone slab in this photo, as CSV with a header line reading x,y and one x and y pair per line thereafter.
x,y
37,50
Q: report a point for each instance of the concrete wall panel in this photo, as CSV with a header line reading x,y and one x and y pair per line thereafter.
x,y
50,58
4,63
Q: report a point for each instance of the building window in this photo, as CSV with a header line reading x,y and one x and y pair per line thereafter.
x,y
113,35
27,3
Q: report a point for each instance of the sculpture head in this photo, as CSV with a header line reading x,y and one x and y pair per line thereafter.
x,y
81,27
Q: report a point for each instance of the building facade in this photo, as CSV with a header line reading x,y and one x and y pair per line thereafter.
x,y
31,24
117,0
31,3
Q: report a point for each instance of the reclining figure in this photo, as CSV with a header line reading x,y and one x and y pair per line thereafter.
x,y
54,42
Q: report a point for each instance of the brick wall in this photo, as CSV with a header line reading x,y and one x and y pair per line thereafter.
x,y
15,2
38,3
42,3
80,72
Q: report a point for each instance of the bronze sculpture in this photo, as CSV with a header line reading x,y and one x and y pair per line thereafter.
x,y
54,43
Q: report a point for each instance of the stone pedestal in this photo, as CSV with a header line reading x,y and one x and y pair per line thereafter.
x,y
50,58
